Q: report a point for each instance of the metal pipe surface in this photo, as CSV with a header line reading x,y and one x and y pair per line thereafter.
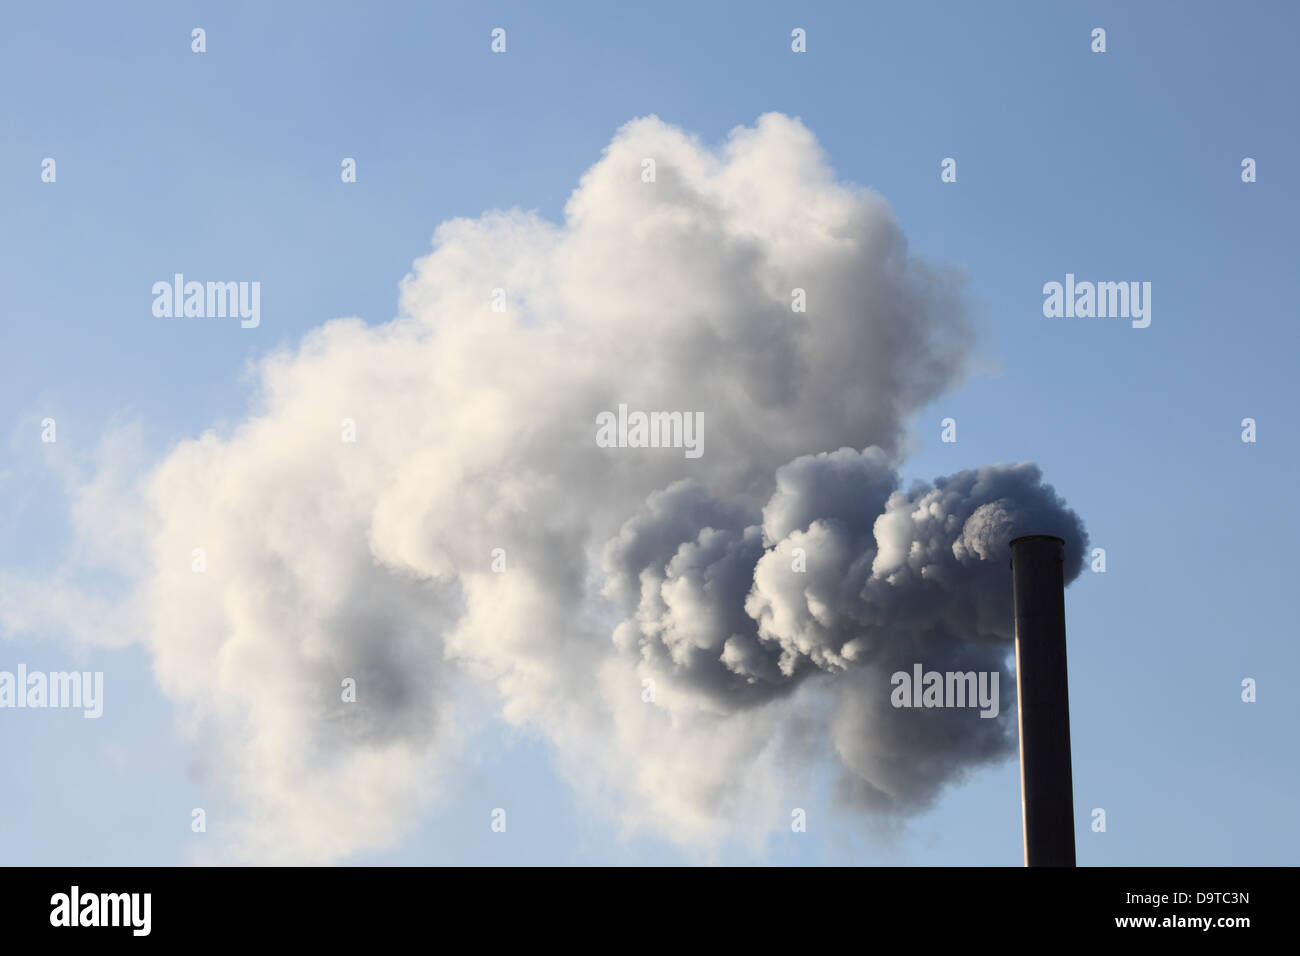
x,y
1043,698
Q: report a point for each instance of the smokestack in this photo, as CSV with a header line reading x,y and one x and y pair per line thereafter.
x,y
1046,785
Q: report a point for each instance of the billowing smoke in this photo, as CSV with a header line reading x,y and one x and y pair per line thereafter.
x,y
644,610
847,577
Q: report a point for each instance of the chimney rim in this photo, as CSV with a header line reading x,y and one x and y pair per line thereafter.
x,y
1031,537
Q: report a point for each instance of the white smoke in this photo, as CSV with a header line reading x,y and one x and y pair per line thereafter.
x,y
475,429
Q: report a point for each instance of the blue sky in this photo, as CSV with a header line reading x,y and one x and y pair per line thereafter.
x,y
1123,165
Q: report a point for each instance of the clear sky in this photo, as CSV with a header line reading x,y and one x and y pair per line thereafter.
x,y
1117,166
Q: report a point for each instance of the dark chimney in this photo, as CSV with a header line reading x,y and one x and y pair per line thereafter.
x,y
1042,691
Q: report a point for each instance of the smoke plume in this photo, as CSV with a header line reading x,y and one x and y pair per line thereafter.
x,y
639,608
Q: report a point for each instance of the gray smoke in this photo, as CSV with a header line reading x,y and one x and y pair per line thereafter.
x,y
844,577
